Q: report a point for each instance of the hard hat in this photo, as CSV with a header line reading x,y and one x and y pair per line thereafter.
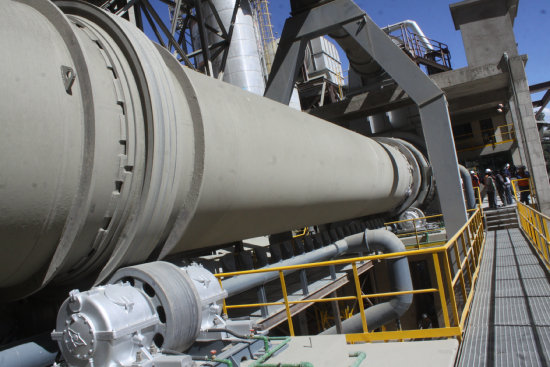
x,y
472,172
488,170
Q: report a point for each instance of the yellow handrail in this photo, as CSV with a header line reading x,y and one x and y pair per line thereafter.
x,y
517,192
461,256
534,225
302,233
416,232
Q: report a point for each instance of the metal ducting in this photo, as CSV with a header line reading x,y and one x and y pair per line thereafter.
x,y
114,154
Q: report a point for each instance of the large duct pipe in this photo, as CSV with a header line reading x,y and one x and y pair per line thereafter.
x,y
242,283
115,154
400,279
468,187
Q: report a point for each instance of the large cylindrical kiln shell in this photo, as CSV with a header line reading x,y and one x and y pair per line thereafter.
x,y
140,158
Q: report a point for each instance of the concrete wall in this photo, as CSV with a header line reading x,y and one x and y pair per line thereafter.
x,y
487,29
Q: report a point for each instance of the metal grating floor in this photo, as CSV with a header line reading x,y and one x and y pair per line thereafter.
x,y
509,322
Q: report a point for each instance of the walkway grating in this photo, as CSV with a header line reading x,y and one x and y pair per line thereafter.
x,y
509,323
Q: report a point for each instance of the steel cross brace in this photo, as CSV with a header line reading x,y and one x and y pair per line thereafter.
x,y
345,15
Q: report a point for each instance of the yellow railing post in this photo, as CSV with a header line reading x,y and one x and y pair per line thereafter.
x,y
449,277
359,297
535,226
287,307
472,237
546,239
416,234
514,189
459,269
532,226
224,306
466,257
538,231
441,289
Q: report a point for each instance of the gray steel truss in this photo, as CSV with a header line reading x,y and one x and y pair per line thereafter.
x,y
345,15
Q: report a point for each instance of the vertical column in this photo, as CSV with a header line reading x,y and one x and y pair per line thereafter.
x,y
527,126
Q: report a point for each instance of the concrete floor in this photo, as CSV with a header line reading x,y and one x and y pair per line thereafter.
x,y
332,351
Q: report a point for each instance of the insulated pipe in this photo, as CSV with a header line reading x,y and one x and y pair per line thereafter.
x,y
38,351
468,187
116,155
413,26
400,279
241,283
243,67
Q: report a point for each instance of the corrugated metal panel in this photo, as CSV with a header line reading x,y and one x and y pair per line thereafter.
x,y
324,60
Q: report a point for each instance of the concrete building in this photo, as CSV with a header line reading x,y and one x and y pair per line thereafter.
x,y
489,100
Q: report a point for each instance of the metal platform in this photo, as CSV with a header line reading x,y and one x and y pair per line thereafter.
x,y
509,323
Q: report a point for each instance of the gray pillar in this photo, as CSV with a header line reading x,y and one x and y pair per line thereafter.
x,y
526,126
436,127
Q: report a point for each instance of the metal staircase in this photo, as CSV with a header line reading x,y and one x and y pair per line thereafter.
x,y
501,218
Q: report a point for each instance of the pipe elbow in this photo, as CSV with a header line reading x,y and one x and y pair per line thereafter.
x,y
383,240
401,304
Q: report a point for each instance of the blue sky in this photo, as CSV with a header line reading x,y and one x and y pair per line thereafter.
x,y
532,28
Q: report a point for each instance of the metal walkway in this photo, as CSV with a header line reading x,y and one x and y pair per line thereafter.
x,y
509,323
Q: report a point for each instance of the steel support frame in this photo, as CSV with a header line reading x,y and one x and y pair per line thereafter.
x,y
431,101
167,32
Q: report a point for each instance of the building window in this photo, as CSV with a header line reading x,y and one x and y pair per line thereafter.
x,y
463,131
487,131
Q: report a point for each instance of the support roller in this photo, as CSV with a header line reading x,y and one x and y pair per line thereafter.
x,y
114,154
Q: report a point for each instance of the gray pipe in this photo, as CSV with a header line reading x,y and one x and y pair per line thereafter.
x,y
400,280
468,188
241,283
39,351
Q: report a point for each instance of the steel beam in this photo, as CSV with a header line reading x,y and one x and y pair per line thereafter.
x,y
344,16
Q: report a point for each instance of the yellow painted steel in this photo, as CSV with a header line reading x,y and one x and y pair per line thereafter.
x,y
416,232
441,290
404,334
224,306
287,307
534,225
390,294
359,294
426,245
485,145
249,305
414,219
507,136
479,200
466,246
301,234
516,191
